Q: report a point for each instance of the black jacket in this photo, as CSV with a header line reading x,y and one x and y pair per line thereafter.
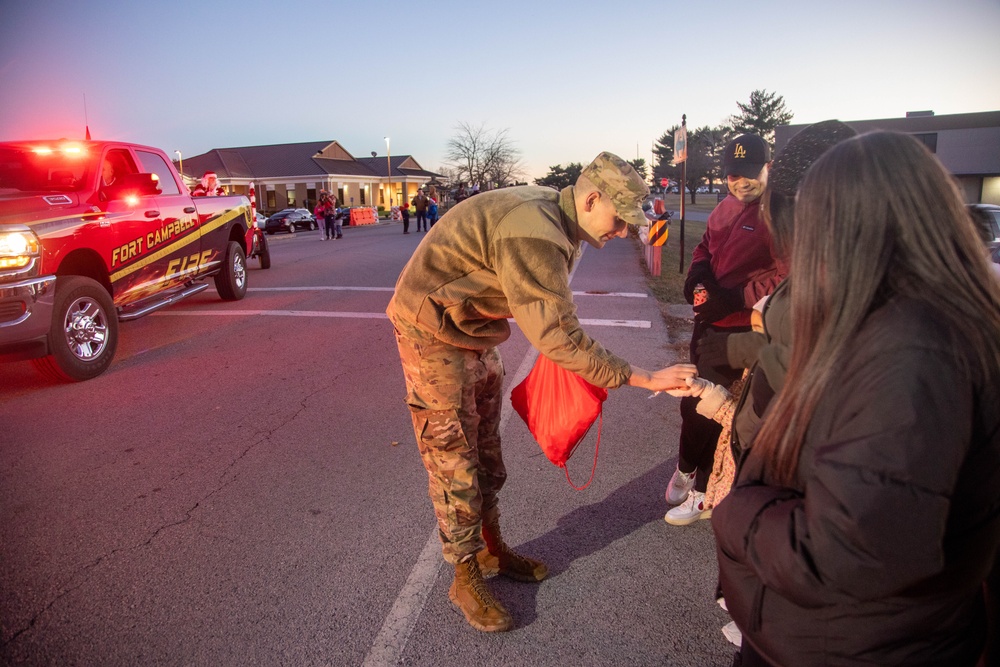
x,y
767,368
878,554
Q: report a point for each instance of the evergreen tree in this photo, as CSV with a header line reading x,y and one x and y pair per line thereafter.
x,y
559,177
761,115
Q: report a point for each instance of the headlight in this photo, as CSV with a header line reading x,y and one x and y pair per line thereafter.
x,y
17,249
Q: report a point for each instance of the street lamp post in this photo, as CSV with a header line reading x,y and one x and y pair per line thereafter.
x,y
388,167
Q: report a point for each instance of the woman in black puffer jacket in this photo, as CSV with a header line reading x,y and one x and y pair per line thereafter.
x,y
866,515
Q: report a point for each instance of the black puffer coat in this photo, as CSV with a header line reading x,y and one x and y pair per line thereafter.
x,y
878,554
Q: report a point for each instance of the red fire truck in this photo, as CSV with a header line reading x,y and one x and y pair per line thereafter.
x,y
97,232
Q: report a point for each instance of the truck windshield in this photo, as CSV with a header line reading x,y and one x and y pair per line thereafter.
x,y
42,170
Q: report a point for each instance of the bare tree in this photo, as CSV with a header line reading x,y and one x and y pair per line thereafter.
x,y
479,155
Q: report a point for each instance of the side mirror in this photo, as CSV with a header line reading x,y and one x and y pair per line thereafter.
x,y
140,185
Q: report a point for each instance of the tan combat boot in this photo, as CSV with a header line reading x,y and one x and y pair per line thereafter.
x,y
498,558
470,593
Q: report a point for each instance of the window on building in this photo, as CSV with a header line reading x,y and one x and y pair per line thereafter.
x,y
310,197
928,139
340,196
290,193
271,202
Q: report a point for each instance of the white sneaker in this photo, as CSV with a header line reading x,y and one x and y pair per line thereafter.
x,y
732,633
691,510
680,485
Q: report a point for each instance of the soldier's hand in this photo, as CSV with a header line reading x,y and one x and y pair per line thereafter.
x,y
671,377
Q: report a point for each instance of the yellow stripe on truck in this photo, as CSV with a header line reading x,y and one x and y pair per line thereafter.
x,y
212,224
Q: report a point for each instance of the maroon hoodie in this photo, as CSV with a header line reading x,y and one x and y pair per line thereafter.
x,y
737,245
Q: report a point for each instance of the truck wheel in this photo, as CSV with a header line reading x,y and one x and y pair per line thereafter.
x,y
264,253
84,333
231,281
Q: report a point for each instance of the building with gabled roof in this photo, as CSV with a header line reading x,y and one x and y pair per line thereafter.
x,y
292,175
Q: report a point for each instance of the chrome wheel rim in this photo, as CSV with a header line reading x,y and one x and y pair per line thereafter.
x,y
239,270
86,329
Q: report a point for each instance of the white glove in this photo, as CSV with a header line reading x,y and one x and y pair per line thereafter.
x,y
712,398
695,387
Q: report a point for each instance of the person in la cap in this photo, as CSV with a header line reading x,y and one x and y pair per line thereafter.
x,y
502,254
734,266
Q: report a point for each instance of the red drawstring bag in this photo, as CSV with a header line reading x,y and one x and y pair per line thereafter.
x,y
559,408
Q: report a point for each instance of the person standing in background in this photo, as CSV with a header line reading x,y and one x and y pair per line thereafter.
x,y
331,217
420,203
405,212
320,214
432,206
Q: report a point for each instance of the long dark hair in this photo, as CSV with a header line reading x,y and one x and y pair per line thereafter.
x,y
876,216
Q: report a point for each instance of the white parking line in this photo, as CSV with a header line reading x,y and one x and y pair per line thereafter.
x,y
630,324
337,288
321,288
280,313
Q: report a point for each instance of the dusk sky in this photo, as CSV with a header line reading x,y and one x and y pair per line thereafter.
x,y
565,79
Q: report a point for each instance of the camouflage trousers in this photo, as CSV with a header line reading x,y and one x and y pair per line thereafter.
x,y
455,397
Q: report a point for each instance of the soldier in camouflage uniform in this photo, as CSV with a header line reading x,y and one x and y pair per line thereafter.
x,y
505,253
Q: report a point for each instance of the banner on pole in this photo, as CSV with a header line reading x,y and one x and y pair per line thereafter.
x,y
680,145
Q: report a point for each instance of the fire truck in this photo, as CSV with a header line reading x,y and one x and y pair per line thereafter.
x,y
93,233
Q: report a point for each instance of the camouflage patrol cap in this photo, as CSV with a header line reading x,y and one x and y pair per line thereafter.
x,y
619,182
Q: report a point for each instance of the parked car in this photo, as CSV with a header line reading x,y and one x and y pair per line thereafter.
x,y
261,220
290,220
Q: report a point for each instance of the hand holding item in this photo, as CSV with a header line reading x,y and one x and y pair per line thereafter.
x,y
712,395
700,294
720,302
665,379
695,387
700,273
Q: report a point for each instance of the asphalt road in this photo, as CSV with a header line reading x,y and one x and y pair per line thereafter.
x,y
242,488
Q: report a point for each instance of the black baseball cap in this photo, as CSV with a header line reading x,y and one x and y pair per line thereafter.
x,y
745,156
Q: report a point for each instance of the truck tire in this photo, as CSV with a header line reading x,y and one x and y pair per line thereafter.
x,y
231,281
264,253
84,333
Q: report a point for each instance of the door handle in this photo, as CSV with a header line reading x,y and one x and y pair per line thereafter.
x,y
152,214
190,209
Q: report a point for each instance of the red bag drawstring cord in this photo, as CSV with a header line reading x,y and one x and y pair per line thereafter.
x,y
597,449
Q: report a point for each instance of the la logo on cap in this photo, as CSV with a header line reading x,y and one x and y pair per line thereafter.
x,y
740,152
